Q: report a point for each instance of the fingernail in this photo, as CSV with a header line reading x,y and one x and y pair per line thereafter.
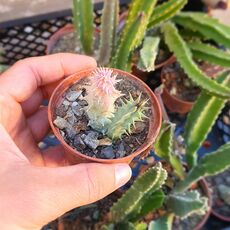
x,y
122,174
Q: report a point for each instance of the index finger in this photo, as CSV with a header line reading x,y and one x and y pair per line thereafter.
x,y
24,77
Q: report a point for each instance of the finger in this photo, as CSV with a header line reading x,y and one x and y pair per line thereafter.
x,y
62,189
54,156
31,105
23,78
9,152
39,124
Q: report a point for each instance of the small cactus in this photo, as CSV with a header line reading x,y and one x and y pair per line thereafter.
x,y
101,97
125,117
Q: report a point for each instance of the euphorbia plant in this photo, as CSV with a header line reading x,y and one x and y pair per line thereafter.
x,y
183,200
115,46
103,116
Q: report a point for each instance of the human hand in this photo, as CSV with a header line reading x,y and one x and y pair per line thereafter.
x,y
37,187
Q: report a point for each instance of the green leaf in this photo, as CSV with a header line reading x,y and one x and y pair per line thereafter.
x,y
163,223
202,118
149,204
183,54
209,53
165,11
148,54
133,199
83,22
108,30
210,165
163,148
186,204
206,25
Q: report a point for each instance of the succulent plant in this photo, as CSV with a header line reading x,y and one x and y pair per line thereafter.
x,y
182,198
104,115
115,49
101,96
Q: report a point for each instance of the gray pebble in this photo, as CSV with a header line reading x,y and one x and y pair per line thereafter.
x,y
73,95
70,133
61,123
61,111
121,150
91,140
77,109
66,104
71,119
78,142
108,152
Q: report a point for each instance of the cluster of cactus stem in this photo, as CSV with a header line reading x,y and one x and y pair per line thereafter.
x,y
115,49
104,115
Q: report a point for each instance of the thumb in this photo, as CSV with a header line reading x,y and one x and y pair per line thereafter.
x,y
62,189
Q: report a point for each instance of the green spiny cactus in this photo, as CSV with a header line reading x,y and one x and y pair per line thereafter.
x,y
131,202
210,165
121,59
148,54
101,96
134,31
206,25
149,204
83,22
185,204
184,56
125,117
108,30
164,148
163,223
202,118
166,11
209,53
146,7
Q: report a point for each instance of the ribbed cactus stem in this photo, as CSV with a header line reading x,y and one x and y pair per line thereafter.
x,y
109,26
83,23
101,96
125,117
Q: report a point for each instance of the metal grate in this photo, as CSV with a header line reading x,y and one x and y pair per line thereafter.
x,y
29,39
223,123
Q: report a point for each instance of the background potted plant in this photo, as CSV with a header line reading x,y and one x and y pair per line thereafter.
x,y
111,36
183,199
190,44
104,115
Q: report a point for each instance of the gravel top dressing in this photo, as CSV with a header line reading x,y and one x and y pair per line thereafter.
x,y
73,122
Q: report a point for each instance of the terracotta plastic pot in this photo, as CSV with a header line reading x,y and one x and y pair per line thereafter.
x,y
73,155
69,28
219,216
177,105
144,74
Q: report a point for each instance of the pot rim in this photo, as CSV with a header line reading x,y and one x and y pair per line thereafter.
x,y
152,134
